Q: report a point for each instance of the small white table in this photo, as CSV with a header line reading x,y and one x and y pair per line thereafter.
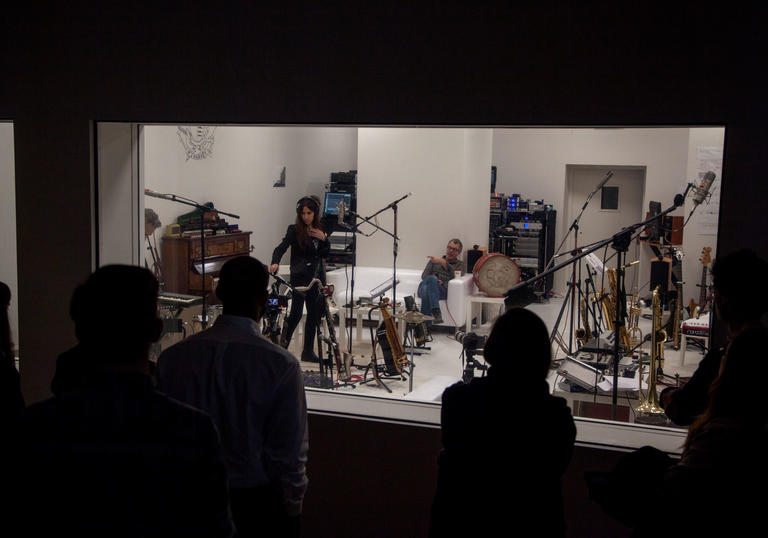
x,y
703,324
684,343
361,313
480,298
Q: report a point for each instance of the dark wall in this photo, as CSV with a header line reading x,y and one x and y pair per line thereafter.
x,y
62,69
490,65
377,480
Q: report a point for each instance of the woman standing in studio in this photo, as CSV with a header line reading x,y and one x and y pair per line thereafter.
x,y
309,244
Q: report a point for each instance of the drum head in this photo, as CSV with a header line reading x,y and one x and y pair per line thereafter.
x,y
495,273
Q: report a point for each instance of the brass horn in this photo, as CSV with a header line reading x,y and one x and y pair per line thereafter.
x,y
649,411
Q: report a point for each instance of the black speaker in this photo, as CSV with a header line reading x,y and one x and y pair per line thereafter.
x,y
473,255
660,276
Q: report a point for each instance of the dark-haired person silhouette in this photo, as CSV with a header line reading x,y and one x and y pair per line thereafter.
x,y
739,308
110,456
11,399
254,391
723,470
718,486
506,440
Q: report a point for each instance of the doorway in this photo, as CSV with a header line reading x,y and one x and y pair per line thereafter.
x,y
601,218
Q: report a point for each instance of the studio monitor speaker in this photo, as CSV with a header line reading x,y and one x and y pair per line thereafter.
x,y
661,275
474,254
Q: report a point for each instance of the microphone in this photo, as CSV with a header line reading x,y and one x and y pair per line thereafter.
x,y
605,180
154,194
701,192
341,209
393,204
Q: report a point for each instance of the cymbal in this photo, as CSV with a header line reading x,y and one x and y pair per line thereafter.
x,y
413,317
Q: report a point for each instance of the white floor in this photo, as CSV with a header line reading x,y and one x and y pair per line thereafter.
x,y
441,365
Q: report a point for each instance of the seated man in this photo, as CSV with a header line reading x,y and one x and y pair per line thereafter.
x,y
434,279
109,455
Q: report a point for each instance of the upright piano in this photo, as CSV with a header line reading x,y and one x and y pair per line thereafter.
x,y
183,264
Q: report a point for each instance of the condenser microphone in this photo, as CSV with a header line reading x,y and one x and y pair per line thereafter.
x,y
605,180
341,208
154,194
608,176
701,192
393,204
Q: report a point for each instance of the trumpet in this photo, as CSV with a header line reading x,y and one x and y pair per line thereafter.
x,y
635,334
649,410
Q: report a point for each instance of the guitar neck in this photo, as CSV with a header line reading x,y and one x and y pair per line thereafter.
x,y
703,290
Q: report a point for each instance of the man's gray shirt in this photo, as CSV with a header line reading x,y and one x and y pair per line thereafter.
x,y
443,274
254,392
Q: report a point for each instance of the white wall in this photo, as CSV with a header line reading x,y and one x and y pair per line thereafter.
x,y
8,272
532,162
693,239
448,171
239,175
120,224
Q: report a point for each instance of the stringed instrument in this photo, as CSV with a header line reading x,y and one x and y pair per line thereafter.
x,y
694,309
395,358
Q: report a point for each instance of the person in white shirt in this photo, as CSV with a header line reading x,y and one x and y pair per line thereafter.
x,y
253,390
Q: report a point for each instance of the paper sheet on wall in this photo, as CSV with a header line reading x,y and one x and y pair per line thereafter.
x,y
709,158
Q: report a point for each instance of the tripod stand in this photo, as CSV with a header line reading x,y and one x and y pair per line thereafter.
x,y
395,246
389,342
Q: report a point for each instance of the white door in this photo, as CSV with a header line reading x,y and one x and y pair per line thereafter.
x,y
597,224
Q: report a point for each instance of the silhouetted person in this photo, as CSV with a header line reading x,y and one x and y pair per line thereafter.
x,y
11,400
254,391
718,486
740,300
72,366
113,457
506,441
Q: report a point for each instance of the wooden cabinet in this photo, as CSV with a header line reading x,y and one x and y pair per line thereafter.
x,y
182,262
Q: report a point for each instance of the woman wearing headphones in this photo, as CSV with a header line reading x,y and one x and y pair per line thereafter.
x,y
309,244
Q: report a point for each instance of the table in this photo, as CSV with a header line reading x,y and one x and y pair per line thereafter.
x,y
479,298
360,313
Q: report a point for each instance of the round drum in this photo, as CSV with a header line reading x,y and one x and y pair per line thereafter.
x,y
495,273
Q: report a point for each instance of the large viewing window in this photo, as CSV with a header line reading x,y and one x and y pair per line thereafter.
x,y
8,264
538,182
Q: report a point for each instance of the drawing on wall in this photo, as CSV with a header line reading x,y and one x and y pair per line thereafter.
x,y
709,158
197,140
281,181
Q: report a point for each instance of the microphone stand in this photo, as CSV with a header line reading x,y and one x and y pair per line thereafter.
x,y
355,228
395,239
203,209
572,285
620,242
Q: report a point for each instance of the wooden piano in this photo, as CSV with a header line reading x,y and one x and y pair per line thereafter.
x,y
182,262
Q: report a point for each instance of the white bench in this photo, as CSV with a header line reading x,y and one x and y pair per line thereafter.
x,y
453,308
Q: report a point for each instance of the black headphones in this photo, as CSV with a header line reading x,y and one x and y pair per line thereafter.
x,y
309,202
